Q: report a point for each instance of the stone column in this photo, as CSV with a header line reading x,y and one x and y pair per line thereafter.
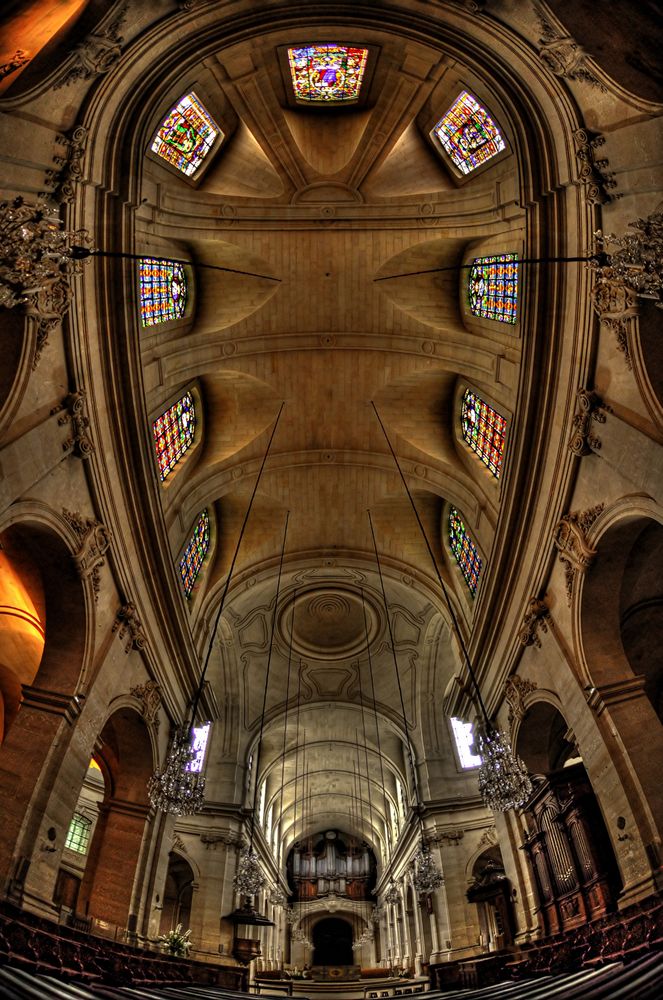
x,y
108,883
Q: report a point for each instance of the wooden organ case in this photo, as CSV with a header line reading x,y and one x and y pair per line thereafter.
x,y
569,851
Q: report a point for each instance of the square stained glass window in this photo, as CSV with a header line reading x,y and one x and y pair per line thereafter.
x,y
327,72
194,553
162,288
78,835
468,133
186,135
173,433
492,287
465,551
484,430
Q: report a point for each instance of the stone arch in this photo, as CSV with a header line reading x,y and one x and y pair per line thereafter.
x,y
177,893
490,890
125,755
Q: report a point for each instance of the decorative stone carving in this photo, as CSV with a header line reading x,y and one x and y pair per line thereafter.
x,y
72,409
592,172
127,623
20,58
616,305
451,837
537,616
562,54
149,695
69,163
178,844
98,53
94,539
571,542
488,837
47,306
590,409
227,837
516,690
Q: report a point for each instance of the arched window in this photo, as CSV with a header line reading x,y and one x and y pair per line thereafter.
x,y
194,553
464,549
162,289
468,133
78,835
199,746
483,429
327,72
186,135
493,287
173,433
464,738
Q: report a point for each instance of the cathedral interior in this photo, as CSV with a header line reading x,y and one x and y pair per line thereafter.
x,y
333,452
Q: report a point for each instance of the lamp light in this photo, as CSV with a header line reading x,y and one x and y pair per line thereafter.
x,y
426,877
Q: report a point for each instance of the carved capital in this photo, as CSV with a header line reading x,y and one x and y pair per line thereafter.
x,y
128,624
616,305
72,409
590,409
536,617
516,690
149,695
570,537
96,54
94,539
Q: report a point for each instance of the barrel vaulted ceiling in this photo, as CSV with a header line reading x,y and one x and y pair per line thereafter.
x,y
322,231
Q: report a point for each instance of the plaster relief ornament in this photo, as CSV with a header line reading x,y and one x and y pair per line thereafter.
x,y
536,617
590,409
616,306
94,539
127,623
516,690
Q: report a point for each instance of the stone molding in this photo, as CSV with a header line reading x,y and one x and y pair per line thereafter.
x,y
94,540
516,690
616,305
127,623
72,409
590,409
149,695
570,537
53,702
536,617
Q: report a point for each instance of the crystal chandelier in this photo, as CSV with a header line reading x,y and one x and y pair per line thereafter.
x,y
503,779
177,789
36,251
392,894
249,879
636,259
425,874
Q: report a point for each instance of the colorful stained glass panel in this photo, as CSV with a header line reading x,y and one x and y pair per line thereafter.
x,y
186,135
328,72
199,746
464,549
468,133
484,430
493,287
194,554
173,433
162,288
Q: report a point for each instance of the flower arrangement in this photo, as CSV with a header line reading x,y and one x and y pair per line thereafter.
x,y
176,942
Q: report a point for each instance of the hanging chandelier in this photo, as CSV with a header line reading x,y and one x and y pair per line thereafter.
x,y
36,251
392,894
503,779
636,258
249,879
176,788
426,876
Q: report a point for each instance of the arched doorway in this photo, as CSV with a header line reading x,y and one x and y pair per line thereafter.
x,y
573,865
177,894
332,942
490,890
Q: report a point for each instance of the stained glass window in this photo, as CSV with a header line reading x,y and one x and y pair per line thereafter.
x,y
468,133
199,745
194,553
162,286
465,551
327,72
173,433
78,835
186,135
493,287
464,737
483,429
